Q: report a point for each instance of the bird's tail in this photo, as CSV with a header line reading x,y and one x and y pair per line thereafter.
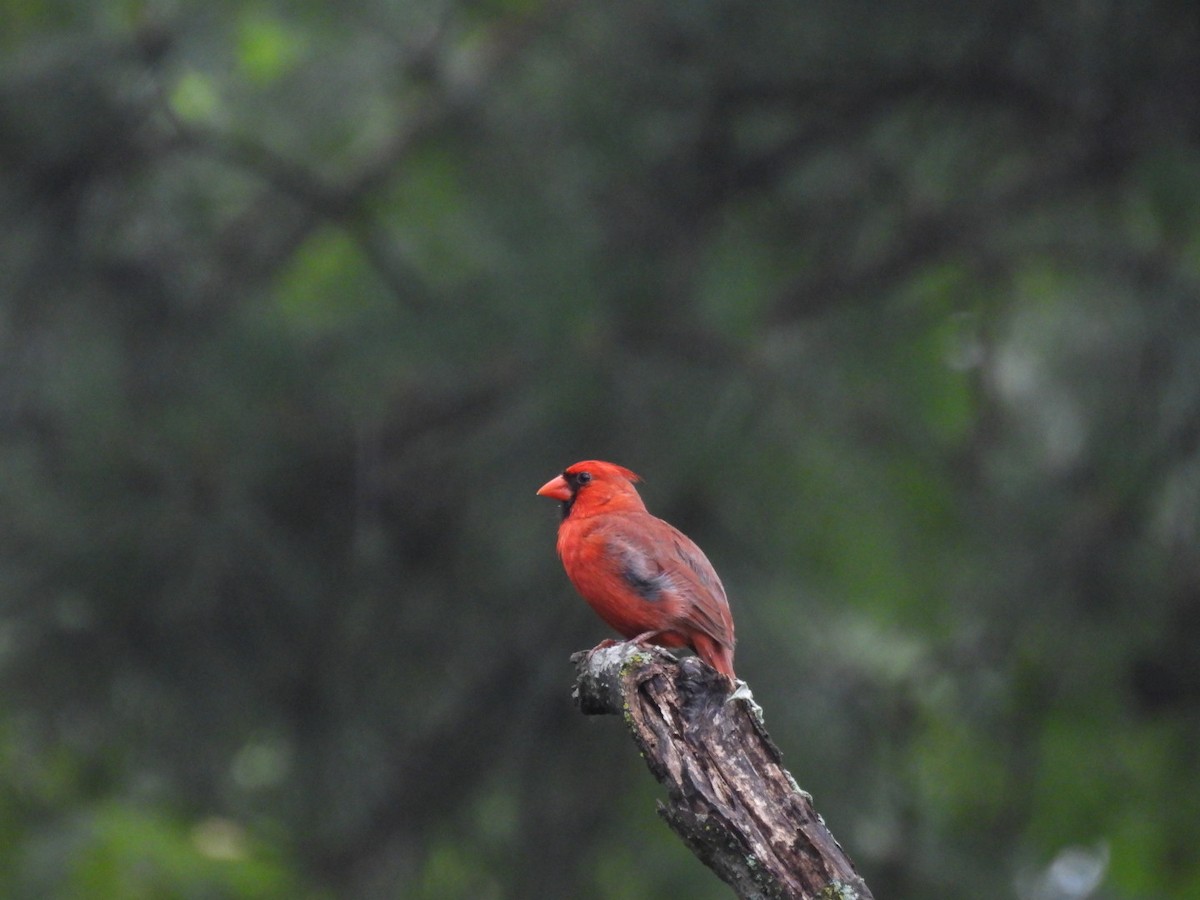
x,y
715,654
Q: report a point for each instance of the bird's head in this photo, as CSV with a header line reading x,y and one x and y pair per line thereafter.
x,y
593,486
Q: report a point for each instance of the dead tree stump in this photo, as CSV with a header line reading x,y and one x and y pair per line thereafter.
x,y
729,797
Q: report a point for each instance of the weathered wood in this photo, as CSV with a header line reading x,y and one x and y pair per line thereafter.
x,y
729,797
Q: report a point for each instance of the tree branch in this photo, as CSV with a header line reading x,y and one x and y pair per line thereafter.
x,y
729,797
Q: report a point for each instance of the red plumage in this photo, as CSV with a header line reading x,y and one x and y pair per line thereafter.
x,y
644,577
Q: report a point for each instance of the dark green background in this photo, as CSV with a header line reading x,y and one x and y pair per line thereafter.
x,y
895,307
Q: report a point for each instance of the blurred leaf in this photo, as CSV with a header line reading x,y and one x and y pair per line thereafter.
x,y
267,48
322,286
194,97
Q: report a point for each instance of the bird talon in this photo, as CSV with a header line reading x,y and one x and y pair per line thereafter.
x,y
603,645
642,639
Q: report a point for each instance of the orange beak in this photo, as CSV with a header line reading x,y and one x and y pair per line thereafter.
x,y
556,489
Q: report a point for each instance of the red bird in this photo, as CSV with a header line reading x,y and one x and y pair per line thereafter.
x,y
642,576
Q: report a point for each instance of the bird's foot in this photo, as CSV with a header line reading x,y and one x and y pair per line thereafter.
x,y
640,642
645,636
603,645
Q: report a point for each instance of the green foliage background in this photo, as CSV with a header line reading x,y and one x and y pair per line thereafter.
x,y
894,306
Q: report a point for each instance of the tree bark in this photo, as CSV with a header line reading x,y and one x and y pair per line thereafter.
x,y
729,797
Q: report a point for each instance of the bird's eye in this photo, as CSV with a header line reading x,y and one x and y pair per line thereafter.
x,y
583,477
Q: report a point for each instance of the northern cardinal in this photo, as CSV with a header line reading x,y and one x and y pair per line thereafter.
x,y
643,576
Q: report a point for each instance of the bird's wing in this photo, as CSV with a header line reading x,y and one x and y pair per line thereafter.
x,y
662,565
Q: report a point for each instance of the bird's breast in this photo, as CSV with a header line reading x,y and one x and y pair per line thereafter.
x,y
619,584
